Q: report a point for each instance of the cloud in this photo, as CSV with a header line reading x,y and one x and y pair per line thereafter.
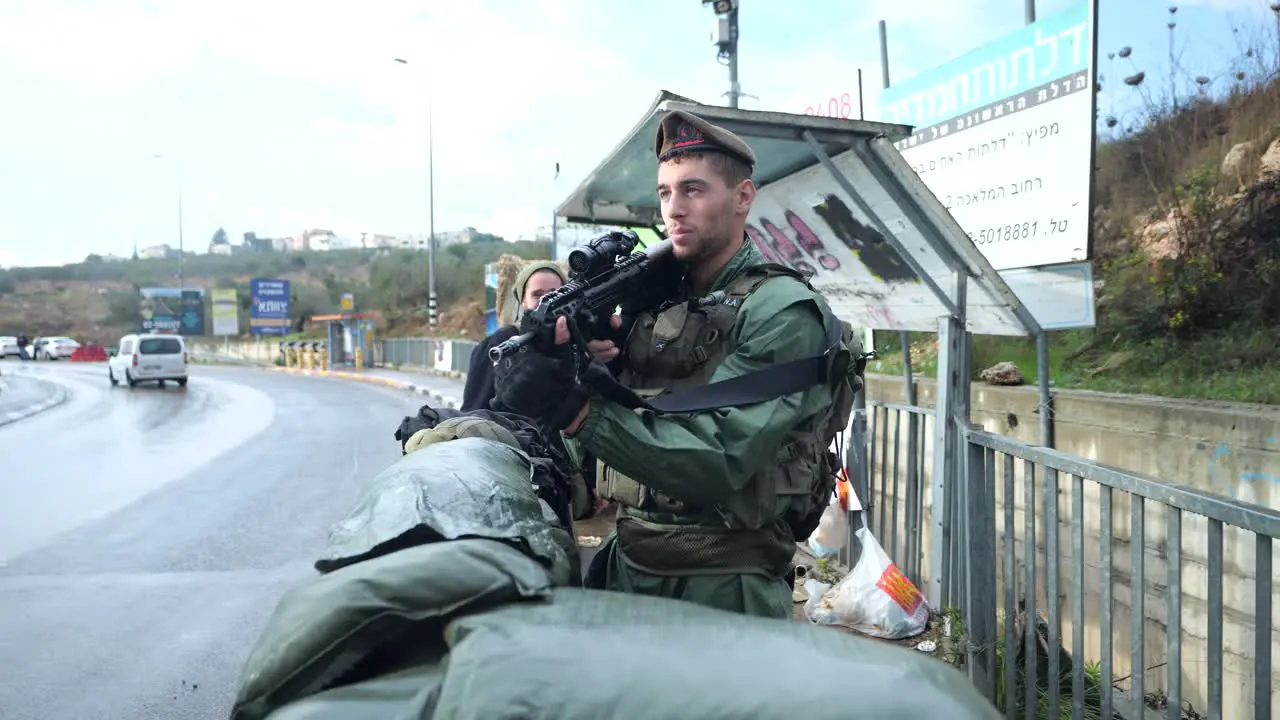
x,y
293,114
333,132
98,45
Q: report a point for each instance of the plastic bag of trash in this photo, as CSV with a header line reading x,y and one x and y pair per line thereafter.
x,y
832,533
875,598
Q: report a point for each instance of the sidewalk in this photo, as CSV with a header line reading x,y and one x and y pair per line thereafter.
x,y
440,391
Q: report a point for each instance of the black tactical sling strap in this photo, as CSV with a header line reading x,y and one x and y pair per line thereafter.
x,y
754,387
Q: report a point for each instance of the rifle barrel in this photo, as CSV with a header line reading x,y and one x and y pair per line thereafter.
x,y
507,347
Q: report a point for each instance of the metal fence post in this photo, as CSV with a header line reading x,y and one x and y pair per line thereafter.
x,y
945,459
979,518
859,471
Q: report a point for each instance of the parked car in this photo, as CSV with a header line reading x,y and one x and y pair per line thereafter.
x,y
149,358
8,346
52,348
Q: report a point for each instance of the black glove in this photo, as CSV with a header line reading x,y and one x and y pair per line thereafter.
x,y
540,386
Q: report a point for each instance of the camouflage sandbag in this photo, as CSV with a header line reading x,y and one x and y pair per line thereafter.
x,y
408,694
370,617
463,488
591,654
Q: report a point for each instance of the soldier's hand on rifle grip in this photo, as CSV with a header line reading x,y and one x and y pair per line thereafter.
x,y
542,385
606,350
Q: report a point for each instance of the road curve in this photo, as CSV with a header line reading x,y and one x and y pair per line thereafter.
x,y
150,532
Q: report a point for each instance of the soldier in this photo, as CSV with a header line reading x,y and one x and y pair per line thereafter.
x,y
711,502
532,282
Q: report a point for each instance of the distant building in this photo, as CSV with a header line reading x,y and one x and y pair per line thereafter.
x,y
453,237
253,243
418,241
539,234
155,252
374,240
318,240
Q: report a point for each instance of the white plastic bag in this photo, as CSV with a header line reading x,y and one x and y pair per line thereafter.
x,y
875,599
832,532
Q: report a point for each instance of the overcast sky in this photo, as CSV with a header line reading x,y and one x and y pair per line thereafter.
x,y
275,116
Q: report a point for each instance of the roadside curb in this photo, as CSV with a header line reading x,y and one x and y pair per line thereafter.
x,y
436,399
55,399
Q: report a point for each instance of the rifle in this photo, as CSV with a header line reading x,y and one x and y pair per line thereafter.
x,y
605,275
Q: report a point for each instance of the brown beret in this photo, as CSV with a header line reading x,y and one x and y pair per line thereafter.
x,y
680,130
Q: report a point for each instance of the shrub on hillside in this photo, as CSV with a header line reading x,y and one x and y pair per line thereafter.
x,y
1185,248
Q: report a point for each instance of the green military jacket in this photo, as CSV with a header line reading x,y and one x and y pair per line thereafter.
x,y
703,457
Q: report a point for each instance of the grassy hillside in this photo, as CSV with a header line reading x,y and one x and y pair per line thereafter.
x,y
97,301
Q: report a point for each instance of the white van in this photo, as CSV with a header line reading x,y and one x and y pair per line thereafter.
x,y
149,358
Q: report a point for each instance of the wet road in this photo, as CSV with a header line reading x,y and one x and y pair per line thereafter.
x,y
150,532
19,391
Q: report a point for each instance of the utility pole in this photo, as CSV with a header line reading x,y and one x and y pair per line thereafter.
x,y
555,217
725,38
431,211
181,246
431,199
182,283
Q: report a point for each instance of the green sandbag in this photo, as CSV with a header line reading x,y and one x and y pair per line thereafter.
x,y
469,487
593,654
405,695
331,629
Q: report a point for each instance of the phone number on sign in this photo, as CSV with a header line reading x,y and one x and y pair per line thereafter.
x,y
836,107
1017,231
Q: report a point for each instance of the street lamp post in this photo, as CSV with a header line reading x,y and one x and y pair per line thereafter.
x,y
431,213
181,249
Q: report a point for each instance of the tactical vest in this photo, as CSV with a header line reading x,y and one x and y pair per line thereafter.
x,y
678,347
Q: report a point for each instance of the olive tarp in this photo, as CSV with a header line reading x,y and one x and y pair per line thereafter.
x,y
467,487
450,592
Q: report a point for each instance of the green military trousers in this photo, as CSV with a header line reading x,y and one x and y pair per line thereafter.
x,y
745,593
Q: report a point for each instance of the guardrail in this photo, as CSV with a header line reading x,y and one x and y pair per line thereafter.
x,y
427,354
1039,546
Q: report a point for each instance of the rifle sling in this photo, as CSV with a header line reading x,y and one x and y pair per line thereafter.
x,y
754,387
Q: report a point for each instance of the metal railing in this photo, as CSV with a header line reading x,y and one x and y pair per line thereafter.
x,y
426,353
1039,546
894,498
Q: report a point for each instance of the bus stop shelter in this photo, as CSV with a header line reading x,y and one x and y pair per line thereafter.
x,y
348,333
838,201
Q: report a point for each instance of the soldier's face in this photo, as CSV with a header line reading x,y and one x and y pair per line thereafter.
x,y
698,207
540,283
